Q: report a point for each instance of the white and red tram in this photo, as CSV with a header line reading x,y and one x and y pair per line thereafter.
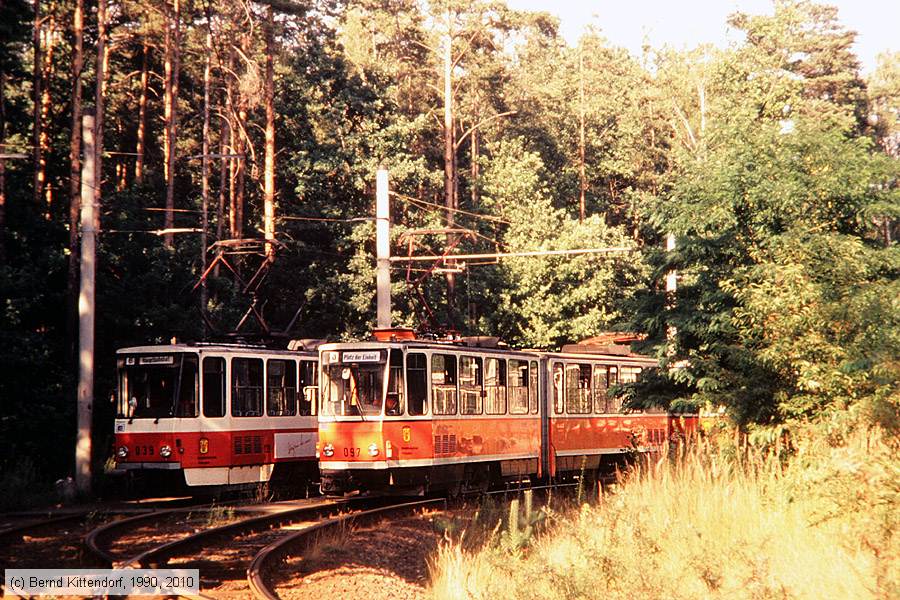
x,y
412,415
217,414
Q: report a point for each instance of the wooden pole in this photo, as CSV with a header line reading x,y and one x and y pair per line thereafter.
x,y
86,312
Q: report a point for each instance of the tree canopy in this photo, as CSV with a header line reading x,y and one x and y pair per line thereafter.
x,y
773,163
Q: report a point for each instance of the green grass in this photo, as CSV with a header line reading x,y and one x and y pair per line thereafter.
x,y
713,522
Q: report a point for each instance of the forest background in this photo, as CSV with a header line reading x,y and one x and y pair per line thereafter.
x,y
773,165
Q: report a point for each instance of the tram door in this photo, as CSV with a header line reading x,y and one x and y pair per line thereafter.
x,y
554,394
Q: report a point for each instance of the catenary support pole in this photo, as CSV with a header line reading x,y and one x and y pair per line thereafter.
x,y
86,311
383,248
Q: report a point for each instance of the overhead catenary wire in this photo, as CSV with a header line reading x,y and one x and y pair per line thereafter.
x,y
440,207
498,255
327,219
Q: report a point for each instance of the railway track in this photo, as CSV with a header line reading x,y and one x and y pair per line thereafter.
x,y
100,542
269,557
37,539
181,538
239,549
223,552
17,524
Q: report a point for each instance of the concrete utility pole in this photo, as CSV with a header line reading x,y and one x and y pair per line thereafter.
x,y
383,249
86,311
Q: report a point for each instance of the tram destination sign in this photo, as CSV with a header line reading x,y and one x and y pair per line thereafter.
x,y
368,356
157,360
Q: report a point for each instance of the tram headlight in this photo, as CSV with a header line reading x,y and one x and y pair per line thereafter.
x,y
165,452
373,450
328,450
122,452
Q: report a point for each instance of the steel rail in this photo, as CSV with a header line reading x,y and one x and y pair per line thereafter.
x,y
92,539
55,517
304,538
19,528
159,555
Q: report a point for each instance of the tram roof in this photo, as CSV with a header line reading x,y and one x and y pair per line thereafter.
x,y
463,348
223,348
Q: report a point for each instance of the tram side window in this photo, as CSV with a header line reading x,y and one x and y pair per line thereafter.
x,y
416,383
518,387
558,387
246,387
281,388
533,388
630,374
309,387
213,386
578,389
471,379
393,404
614,402
495,386
443,384
600,389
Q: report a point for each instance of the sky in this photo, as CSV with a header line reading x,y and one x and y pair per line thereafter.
x,y
688,23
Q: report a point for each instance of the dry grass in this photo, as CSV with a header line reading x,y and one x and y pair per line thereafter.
x,y
713,523
216,516
330,541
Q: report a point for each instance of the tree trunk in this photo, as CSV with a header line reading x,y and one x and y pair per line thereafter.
x,y
232,182
269,184
231,112
582,181
2,167
204,171
100,93
449,131
172,123
449,155
121,174
167,88
240,175
75,140
38,74
47,67
473,168
36,99
223,177
75,176
142,119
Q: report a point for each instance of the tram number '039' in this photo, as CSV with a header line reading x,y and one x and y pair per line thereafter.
x,y
143,450
352,452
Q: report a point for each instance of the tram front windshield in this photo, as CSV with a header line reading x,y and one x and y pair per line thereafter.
x,y
157,386
353,389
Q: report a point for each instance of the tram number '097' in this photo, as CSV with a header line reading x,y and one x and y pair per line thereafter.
x,y
143,450
352,452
